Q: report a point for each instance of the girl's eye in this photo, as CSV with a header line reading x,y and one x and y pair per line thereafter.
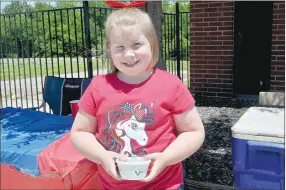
x,y
136,44
119,47
134,126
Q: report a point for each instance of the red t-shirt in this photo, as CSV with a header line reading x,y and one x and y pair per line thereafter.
x,y
137,119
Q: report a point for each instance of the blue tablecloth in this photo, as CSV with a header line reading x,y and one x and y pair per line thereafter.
x,y
25,133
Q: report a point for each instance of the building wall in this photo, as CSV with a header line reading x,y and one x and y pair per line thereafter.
x,y
278,47
212,48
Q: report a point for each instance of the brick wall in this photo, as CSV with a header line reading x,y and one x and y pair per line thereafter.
x,y
278,47
212,48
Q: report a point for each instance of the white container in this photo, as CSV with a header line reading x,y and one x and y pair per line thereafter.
x,y
134,168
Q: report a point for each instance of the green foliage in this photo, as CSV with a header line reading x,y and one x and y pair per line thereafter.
x,y
33,31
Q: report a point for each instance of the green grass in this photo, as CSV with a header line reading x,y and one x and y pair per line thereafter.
x,y
31,68
26,68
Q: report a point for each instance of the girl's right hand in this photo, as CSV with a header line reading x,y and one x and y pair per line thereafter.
x,y
109,165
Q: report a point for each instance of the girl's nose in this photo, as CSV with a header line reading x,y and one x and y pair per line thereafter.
x,y
129,53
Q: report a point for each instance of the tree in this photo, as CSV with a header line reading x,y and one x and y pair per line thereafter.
x,y
17,7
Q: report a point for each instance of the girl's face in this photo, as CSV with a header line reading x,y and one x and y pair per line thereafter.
x,y
130,50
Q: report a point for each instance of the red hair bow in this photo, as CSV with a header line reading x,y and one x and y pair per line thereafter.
x,y
119,4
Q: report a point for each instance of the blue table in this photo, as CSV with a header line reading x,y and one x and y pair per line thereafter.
x,y
25,133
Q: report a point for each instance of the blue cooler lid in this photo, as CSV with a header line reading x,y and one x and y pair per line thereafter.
x,y
261,123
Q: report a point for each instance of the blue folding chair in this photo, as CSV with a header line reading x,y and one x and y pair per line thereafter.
x,y
58,92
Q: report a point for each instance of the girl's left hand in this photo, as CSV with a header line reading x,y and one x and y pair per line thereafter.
x,y
159,163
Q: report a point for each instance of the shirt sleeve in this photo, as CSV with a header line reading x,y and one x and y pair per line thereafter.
x,y
87,102
183,100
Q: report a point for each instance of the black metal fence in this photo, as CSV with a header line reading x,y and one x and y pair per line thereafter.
x,y
69,43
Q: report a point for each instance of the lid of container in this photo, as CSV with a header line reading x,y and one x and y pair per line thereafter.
x,y
261,121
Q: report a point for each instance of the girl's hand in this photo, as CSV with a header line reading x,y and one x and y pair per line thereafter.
x,y
158,164
109,165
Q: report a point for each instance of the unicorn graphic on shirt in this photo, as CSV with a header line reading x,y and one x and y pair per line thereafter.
x,y
125,126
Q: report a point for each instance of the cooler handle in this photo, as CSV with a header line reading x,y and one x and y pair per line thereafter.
x,y
266,146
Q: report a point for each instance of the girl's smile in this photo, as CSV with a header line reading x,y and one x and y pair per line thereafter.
x,y
130,65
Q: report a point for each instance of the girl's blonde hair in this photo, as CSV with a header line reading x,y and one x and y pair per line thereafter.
x,y
132,17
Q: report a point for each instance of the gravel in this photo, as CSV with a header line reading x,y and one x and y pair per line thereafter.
x,y
212,163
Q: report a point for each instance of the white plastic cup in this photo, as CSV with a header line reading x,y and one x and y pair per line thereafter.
x,y
134,168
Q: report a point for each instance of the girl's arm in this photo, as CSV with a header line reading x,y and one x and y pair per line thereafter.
x,y
83,138
85,142
191,137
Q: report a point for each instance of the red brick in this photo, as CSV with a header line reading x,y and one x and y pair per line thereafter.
x,y
225,9
227,42
208,38
215,14
228,4
209,94
199,5
224,86
214,90
214,62
230,14
208,19
275,22
195,20
215,4
197,10
277,83
210,57
200,62
224,66
210,9
214,33
210,28
197,75
280,58
225,27
194,84
200,52
215,23
228,23
210,76
210,66
225,19
228,33
224,37
213,52
199,24
201,80
281,27
200,33
214,80
210,47
204,14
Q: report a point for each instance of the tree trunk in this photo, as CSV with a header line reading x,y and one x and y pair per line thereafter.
x,y
154,9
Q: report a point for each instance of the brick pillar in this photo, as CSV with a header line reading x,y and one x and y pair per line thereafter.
x,y
212,48
278,47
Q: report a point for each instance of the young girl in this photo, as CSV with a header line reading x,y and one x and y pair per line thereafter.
x,y
136,110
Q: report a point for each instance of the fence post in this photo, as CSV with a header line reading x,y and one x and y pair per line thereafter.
x,y
178,39
154,9
87,39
